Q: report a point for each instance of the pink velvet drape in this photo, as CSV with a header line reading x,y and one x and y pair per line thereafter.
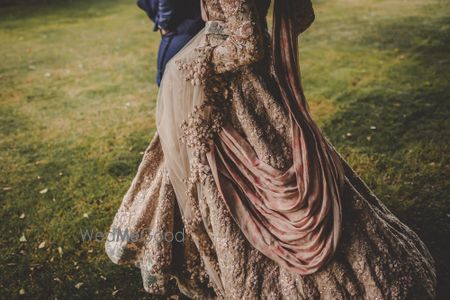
x,y
291,216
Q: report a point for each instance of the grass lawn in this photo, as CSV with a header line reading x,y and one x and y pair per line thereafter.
x,y
77,99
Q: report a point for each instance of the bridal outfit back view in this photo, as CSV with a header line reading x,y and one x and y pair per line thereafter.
x,y
268,208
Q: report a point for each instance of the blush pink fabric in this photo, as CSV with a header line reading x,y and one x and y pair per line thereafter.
x,y
291,216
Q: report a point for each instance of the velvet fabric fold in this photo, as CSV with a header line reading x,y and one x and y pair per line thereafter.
x,y
292,216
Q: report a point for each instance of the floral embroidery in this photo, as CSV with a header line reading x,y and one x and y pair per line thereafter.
x,y
218,54
244,46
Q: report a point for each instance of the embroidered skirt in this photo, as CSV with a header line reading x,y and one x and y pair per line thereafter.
x,y
378,257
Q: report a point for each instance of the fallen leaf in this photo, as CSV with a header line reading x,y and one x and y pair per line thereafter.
x,y
7,188
115,292
22,292
78,285
41,245
60,251
22,216
85,215
23,239
373,127
43,191
57,279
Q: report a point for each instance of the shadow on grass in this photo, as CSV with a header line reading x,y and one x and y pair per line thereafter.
x,y
405,133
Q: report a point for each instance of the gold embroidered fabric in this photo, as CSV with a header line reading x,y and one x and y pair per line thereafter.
x,y
230,80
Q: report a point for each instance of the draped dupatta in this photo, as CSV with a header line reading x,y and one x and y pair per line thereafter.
x,y
292,216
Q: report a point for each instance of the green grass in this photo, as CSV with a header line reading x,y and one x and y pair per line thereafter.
x,y
77,99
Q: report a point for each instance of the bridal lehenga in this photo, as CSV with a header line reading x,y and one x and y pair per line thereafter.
x,y
240,196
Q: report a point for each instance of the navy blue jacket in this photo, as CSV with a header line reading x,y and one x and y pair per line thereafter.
x,y
180,16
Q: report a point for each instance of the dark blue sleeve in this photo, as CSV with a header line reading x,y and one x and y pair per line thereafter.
x,y
166,13
150,8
